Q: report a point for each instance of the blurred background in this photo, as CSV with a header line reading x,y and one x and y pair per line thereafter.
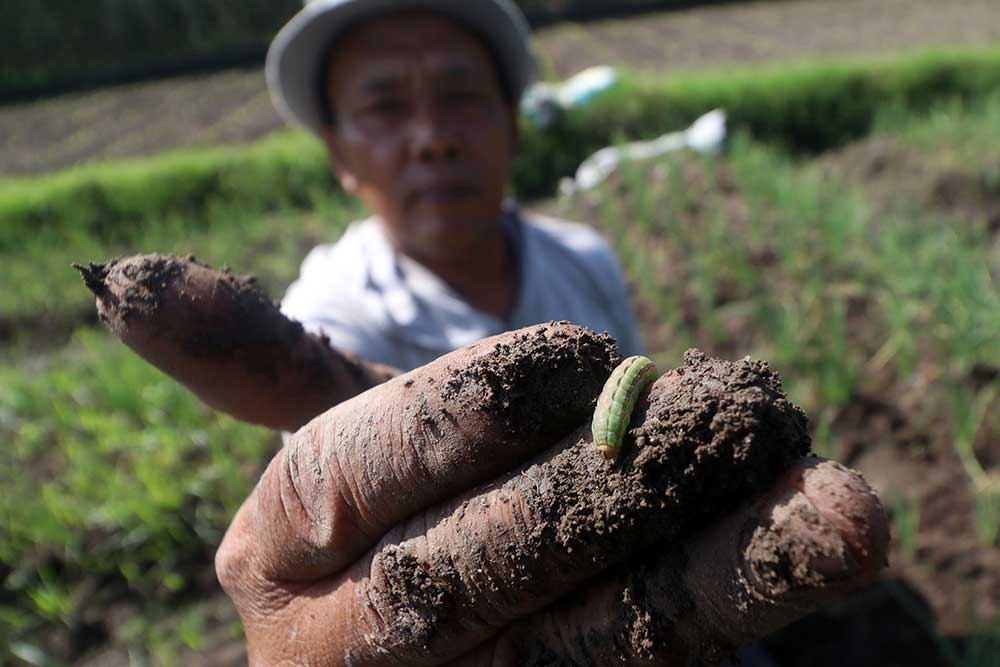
x,y
848,231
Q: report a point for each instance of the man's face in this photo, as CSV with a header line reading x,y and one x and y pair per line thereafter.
x,y
422,132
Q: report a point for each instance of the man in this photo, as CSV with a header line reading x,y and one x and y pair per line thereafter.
x,y
324,559
419,115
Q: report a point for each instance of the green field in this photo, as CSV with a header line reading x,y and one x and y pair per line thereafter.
x,y
866,272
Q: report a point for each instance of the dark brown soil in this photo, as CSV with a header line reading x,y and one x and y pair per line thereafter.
x,y
234,323
714,433
891,171
143,284
723,432
566,361
131,289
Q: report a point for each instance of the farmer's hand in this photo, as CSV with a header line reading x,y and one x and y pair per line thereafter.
x,y
356,547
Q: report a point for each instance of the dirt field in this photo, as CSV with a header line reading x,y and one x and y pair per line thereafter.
x,y
233,106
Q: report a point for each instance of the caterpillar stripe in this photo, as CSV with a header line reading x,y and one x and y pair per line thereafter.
x,y
616,402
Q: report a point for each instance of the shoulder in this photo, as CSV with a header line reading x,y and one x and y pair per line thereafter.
x,y
578,260
579,243
348,255
332,296
332,275
574,235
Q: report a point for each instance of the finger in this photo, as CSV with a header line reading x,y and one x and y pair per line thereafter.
x,y
218,334
821,533
446,580
367,464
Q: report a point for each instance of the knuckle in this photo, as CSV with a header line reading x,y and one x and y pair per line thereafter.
x,y
301,484
239,573
231,564
405,607
315,493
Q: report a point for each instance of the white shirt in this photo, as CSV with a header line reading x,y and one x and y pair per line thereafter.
x,y
386,307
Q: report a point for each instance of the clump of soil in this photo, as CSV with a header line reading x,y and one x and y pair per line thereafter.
x,y
723,432
568,364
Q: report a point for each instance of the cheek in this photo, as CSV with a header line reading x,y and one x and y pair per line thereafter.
x,y
387,152
374,157
492,142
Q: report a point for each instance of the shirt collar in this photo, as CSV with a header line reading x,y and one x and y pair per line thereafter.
x,y
424,309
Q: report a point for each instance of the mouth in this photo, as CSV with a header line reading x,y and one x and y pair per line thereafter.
x,y
443,193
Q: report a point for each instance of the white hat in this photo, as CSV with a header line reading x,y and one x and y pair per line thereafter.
x,y
293,61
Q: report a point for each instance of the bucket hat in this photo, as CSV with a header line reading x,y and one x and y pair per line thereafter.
x,y
293,60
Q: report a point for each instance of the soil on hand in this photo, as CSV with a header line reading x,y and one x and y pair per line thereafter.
x,y
713,434
139,287
218,333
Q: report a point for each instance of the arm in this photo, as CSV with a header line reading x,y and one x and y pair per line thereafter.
x,y
225,340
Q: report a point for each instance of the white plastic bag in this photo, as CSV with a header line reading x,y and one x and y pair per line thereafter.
x,y
706,135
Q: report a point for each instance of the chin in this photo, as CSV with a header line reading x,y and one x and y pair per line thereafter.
x,y
448,237
459,220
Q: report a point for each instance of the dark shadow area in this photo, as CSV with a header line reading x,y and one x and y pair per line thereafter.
x,y
134,71
596,10
888,624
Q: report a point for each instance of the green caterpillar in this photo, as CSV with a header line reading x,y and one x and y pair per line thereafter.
x,y
616,402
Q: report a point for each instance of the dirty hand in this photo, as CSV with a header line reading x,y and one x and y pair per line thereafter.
x,y
223,338
362,543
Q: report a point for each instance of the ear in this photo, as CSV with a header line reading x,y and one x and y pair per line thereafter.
x,y
338,164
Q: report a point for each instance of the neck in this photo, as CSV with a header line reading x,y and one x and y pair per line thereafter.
x,y
485,276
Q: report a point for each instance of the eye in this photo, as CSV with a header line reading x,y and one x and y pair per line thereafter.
x,y
385,106
463,96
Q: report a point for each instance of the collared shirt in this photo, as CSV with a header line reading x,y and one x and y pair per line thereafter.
x,y
386,307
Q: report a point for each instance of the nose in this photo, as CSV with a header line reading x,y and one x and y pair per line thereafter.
x,y
434,135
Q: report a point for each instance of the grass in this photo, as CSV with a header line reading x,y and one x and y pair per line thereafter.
x,y
130,480
807,107
950,126
272,243
119,484
704,278
810,106
110,201
969,410
117,479
905,514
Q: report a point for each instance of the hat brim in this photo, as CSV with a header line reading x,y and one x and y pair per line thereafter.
x,y
293,60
